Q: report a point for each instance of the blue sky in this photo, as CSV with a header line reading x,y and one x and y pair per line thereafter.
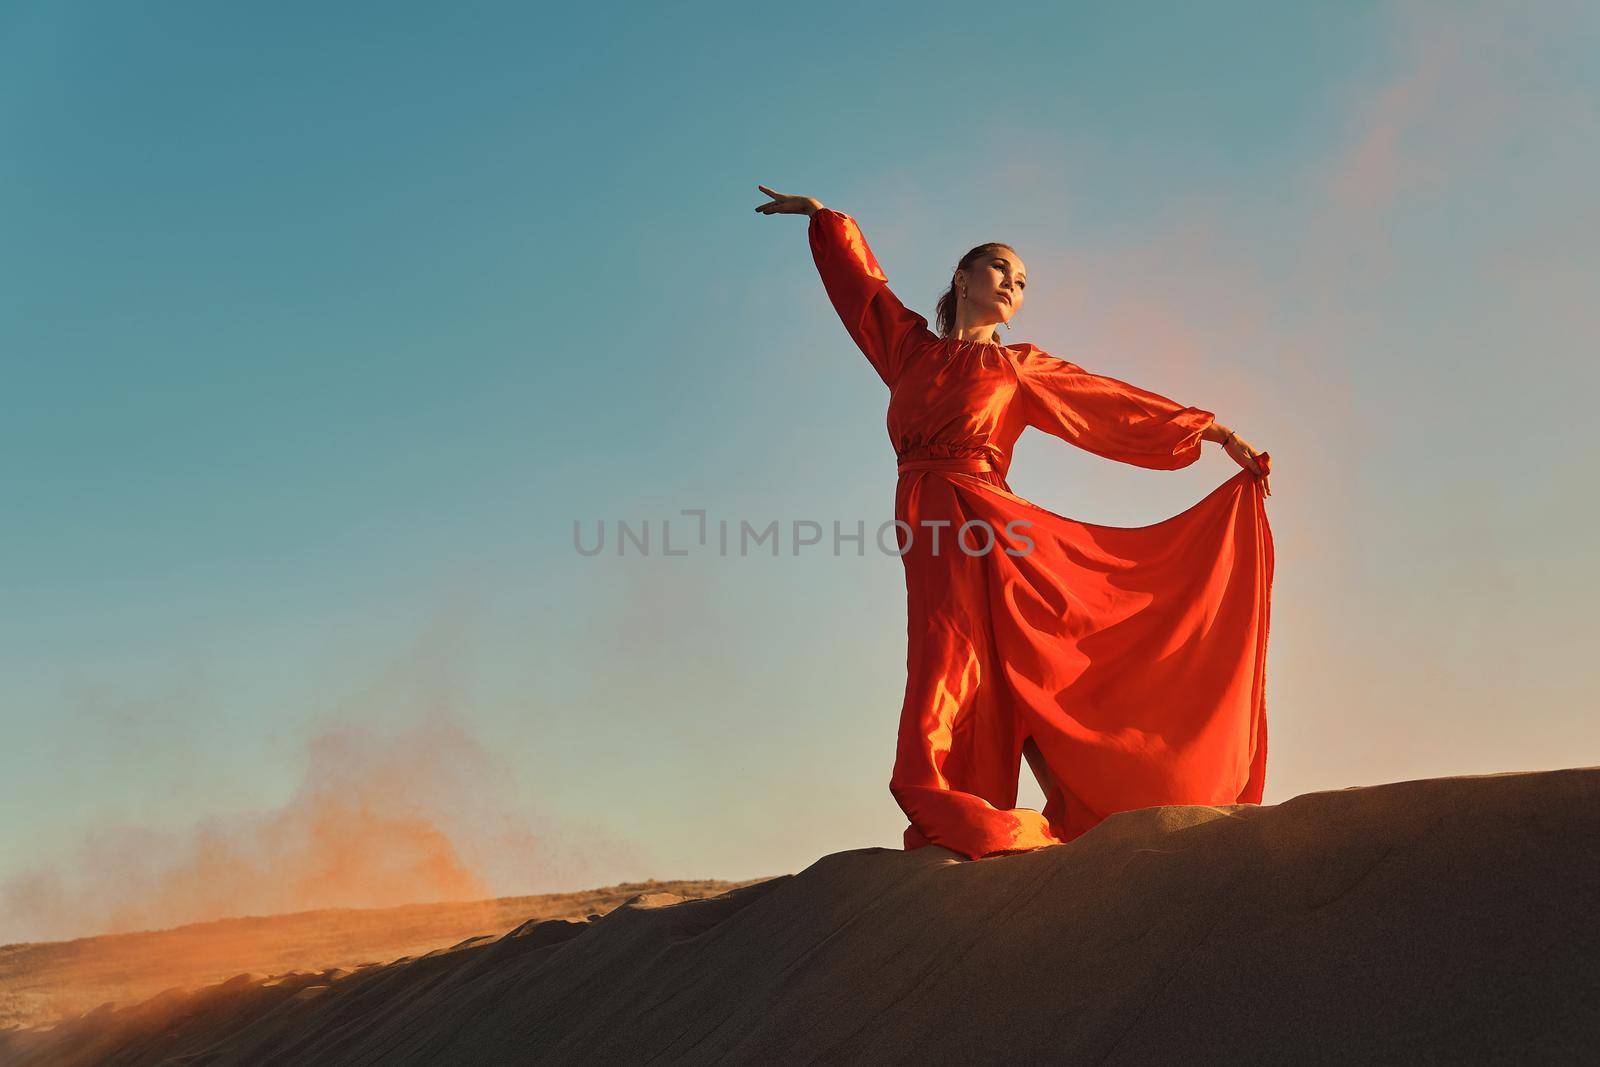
x,y
322,326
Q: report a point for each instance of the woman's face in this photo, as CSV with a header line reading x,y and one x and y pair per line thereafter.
x,y
996,284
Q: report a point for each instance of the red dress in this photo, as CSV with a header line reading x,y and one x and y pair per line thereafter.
x,y
1134,657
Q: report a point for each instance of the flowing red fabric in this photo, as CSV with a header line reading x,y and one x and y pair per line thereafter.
x,y
1133,657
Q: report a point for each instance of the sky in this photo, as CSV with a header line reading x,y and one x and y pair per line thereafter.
x,y
321,327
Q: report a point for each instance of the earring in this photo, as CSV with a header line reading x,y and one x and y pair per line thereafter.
x,y
1008,326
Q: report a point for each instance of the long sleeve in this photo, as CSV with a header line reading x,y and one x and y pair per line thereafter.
x,y
884,329
1106,416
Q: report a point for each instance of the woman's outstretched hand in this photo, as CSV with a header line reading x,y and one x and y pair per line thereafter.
x,y
1245,456
788,205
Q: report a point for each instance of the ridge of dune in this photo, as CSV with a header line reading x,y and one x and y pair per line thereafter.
x,y
1441,919
42,982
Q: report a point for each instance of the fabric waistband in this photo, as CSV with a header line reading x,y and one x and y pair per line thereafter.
x,y
969,464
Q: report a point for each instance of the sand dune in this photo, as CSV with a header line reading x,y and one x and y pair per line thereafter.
x,y
1453,919
43,982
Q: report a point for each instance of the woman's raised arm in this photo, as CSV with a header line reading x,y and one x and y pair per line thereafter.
x,y
885,330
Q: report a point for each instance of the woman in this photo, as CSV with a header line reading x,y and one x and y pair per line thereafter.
x,y
1127,663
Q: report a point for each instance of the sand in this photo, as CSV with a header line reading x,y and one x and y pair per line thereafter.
x,y
1453,919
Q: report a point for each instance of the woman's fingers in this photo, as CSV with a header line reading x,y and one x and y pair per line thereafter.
x,y
1255,468
782,203
1246,456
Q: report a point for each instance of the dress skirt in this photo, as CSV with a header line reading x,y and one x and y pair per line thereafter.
x,y
1134,657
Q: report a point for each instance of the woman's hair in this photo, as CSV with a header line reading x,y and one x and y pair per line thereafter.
x,y
946,311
